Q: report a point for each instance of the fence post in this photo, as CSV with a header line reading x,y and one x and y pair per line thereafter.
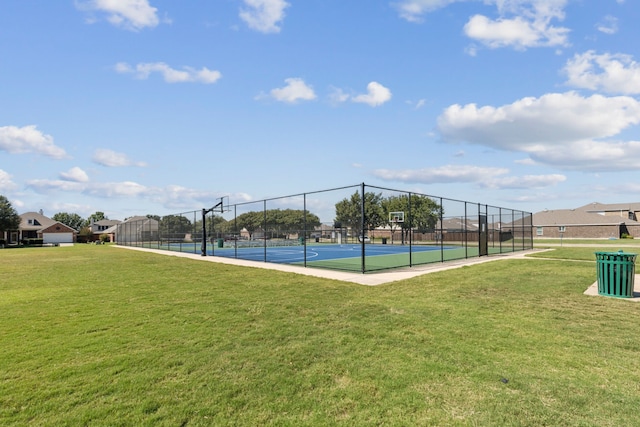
x,y
203,246
410,232
264,228
362,221
304,232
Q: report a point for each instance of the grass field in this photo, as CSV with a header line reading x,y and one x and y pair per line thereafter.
x,y
101,336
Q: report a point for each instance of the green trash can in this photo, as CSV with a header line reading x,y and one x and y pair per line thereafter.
x,y
616,271
221,243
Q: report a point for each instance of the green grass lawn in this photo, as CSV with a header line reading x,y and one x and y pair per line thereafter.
x,y
104,336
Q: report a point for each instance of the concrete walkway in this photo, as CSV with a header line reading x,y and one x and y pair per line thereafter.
x,y
593,290
369,279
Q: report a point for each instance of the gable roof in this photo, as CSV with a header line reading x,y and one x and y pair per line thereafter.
x,y
107,222
138,218
568,217
58,227
610,207
35,221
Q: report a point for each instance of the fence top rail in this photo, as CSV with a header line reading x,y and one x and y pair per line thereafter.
x,y
523,214
294,195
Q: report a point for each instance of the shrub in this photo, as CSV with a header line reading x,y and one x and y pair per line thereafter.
x,y
104,238
32,242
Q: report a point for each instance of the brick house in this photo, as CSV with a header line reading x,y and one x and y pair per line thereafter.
x,y
104,226
35,225
591,221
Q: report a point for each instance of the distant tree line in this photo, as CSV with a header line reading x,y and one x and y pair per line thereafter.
x,y
271,223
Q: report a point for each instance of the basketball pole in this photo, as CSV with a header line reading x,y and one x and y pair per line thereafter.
x,y
203,247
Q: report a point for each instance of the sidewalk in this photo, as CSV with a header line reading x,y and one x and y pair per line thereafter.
x,y
593,290
369,279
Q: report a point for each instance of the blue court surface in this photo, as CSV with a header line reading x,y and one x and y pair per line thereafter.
x,y
318,252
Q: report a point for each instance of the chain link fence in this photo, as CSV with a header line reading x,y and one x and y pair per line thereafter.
x,y
360,228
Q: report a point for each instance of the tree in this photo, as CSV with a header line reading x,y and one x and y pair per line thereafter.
x,y
288,221
421,214
84,235
251,221
349,211
220,225
217,226
94,217
72,220
175,226
279,222
9,218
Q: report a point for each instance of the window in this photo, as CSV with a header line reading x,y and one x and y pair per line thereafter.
x,y
539,231
561,229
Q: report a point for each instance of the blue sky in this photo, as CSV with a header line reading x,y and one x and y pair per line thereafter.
x,y
134,107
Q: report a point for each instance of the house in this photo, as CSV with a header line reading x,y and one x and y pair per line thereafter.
x,y
621,210
34,225
104,226
592,221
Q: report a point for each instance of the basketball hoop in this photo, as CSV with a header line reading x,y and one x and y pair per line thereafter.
x,y
396,217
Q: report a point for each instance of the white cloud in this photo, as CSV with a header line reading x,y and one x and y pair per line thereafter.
x,y
110,189
117,189
416,104
611,73
376,95
132,15
264,15
6,183
484,177
527,161
171,197
111,158
28,139
609,26
46,185
170,75
521,24
413,10
442,174
75,174
295,90
518,33
562,129
337,96
525,182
